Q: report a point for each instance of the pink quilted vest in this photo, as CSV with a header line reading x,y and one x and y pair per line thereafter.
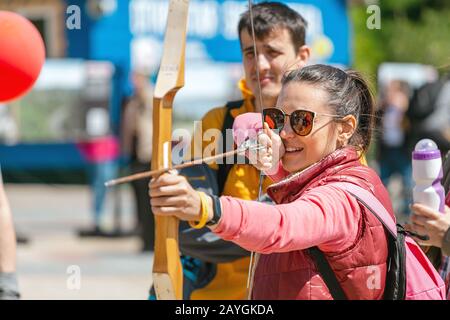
x,y
293,275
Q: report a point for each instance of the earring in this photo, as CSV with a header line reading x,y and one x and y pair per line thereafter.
x,y
341,144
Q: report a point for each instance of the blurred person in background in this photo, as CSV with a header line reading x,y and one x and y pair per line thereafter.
x,y
393,153
137,133
9,134
429,114
8,281
102,149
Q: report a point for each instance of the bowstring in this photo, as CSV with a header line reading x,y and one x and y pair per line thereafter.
x,y
261,175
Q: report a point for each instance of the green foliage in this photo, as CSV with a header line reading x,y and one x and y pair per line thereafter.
x,y
425,41
367,51
411,31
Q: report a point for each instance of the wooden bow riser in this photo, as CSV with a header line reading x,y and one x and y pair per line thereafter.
x,y
167,268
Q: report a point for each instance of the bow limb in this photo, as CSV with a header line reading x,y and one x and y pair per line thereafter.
x,y
167,268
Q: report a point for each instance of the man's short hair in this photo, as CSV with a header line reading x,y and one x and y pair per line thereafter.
x,y
268,16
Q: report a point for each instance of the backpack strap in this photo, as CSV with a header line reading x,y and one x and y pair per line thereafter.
x,y
328,275
372,203
378,210
225,166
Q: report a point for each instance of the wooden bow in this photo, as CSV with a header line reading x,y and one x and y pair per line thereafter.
x,y
167,268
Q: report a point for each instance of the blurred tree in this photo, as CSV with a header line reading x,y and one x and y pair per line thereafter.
x,y
368,52
411,31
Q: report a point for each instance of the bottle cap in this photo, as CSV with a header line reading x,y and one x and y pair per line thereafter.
x,y
426,149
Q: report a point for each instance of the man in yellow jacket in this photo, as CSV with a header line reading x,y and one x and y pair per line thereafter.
x,y
280,44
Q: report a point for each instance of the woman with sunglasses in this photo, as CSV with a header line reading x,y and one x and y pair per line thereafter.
x,y
322,123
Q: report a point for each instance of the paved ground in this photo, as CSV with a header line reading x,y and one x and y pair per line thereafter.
x,y
49,266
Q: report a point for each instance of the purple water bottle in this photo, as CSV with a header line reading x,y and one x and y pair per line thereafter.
x,y
427,174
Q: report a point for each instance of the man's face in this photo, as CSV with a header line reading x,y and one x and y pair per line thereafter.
x,y
276,55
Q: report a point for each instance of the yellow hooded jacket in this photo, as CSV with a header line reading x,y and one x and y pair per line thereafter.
x,y
242,182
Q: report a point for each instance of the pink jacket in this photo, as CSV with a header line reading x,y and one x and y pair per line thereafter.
x,y
310,211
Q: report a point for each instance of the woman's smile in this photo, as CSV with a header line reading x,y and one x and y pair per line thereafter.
x,y
293,149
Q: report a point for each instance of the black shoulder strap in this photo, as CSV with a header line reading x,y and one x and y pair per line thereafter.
x,y
377,209
225,166
328,275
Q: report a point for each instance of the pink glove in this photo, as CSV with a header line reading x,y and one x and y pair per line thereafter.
x,y
246,126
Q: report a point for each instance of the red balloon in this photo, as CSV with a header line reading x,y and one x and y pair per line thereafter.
x,y
22,55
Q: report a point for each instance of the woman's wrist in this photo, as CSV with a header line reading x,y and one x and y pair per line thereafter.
x,y
215,211
204,213
210,209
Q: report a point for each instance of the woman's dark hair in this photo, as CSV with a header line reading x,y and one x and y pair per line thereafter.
x,y
268,16
348,93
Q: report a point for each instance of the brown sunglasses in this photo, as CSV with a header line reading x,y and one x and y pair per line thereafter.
x,y
301,121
